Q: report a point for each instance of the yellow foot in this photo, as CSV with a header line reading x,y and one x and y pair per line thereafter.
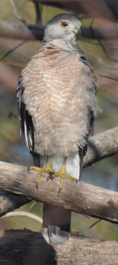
x,y
35,168
63,175
45,169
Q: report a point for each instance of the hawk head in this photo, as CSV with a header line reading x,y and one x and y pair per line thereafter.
x,y
63,26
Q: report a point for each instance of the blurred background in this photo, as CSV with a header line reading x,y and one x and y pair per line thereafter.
x,y
101,49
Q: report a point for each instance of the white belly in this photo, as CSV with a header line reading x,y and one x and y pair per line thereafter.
x,y
72,166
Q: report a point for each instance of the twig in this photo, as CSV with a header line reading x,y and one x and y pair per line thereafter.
x,y
38,13
95,56
25,214
109,77
106,52
83,17
91,25
32,205
15,64
12,50
15,11
94,224
12,113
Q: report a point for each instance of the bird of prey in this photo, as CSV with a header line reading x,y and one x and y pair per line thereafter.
x,y
57,105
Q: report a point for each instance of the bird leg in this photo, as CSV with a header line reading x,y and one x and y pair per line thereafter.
x,y
63,174
45,169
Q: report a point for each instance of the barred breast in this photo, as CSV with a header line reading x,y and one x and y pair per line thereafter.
x,y
59,95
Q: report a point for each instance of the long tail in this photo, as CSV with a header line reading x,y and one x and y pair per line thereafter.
x,y
56,224
57,220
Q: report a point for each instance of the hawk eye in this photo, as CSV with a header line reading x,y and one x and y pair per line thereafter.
x,y
64,24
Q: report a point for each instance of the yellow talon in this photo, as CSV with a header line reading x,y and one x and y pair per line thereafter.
x,y
35,168
63,175
45,169
42,170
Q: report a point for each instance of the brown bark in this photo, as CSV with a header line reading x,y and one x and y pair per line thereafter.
x,y
10,203
29,248
101,146
82,198
15,31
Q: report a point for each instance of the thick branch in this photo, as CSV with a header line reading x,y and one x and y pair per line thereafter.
x,y
83,198
15,31
26,247
101,145
10,203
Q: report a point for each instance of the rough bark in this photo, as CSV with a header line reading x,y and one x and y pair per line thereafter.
x,y
100,146
10,203
79,197
29,248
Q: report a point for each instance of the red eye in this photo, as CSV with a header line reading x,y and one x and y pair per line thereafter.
x,y
64,24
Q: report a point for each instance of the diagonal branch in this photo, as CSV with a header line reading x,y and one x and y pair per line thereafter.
x,y
10,51
101,146
15,11
15,31
10,202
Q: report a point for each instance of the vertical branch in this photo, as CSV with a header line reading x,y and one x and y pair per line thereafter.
x,y
38,13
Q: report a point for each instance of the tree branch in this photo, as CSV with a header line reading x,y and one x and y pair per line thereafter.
x,y
101,146
38,13
78,6
26,247
24,214
15,11
28,32
10,51
83,198
10,203
15,31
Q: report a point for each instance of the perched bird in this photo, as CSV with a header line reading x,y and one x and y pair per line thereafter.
x,y
57,105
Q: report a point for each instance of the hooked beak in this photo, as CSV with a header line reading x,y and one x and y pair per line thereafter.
x,y
77,30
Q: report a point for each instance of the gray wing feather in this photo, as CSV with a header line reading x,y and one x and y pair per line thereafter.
x,y
91,113
24,117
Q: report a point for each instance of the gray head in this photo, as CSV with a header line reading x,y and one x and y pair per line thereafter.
x,y
63,26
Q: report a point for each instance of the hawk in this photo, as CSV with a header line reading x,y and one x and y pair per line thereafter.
x,y
57,105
